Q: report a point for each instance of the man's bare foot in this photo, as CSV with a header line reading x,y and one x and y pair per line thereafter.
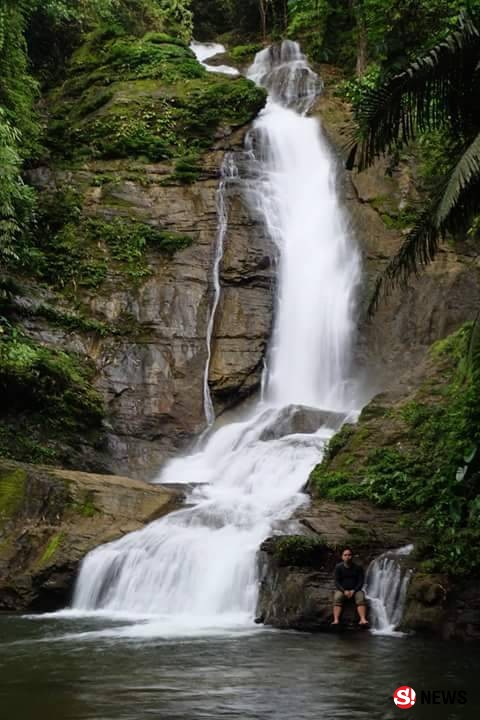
x,y
336,622
363,622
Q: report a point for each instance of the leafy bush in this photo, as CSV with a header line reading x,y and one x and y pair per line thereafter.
x,y
299,550
66,249
435,472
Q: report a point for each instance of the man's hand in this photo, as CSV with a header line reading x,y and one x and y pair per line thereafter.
x,y
348,594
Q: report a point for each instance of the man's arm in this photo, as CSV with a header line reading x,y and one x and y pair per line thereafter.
x,y
338,578
360,580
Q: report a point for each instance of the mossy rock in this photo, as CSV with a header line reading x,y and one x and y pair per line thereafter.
x,y
12,491
145,98
298,550
50,401
420,455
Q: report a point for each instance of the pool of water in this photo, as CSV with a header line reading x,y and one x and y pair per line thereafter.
x,y
97,669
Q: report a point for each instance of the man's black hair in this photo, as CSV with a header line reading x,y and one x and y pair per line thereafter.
x,y
347,547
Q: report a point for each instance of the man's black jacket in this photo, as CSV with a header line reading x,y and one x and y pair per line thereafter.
x,y
349,577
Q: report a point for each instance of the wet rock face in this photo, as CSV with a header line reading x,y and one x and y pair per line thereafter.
x,y
50,519
150,370
244,314
438,605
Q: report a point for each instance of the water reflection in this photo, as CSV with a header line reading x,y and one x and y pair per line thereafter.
x,y
257,676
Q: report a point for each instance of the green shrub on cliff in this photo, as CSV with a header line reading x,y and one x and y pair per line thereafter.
x,y
67,249
434,471
47,397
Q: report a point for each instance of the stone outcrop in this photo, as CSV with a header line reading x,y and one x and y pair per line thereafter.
x,y
152,376
297,571
50,519
150,353
436,605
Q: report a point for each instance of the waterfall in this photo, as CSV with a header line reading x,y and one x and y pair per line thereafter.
x,y
228,172
197,566
204,51
386,588
318,269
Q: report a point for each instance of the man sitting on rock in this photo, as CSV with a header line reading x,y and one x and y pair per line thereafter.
x,y
349,579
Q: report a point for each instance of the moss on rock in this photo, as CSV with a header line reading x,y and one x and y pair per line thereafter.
x,y
49,399
145,98
12,489
420,455
51,548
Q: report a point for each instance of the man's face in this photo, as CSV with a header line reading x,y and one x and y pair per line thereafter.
x,y
347,557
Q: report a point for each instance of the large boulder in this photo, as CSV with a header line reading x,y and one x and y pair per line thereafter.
x,y
51,518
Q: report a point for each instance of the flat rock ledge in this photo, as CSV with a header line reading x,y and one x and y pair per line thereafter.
x,y
51,518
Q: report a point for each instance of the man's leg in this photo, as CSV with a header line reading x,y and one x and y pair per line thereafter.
x,y
338,598
361,607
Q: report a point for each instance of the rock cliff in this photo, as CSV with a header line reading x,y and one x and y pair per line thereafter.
x,y
120,268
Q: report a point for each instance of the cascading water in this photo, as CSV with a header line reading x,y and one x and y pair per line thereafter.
x,y
229,172
386,587
204,51
319,269
197,567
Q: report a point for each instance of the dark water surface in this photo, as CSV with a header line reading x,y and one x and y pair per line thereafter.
x,y
66,669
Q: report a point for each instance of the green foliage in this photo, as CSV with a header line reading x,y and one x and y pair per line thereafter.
x,y
308,22
434,93
398,30
187,170
48,399
16,199
299,550
242,52
339,441
435,472
68,250
355,90
33,377
112,106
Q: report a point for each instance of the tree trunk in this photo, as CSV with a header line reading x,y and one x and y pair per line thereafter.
x,y
262,4
362,38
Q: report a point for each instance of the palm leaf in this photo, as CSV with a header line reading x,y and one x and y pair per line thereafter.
x,y
466,173
435,90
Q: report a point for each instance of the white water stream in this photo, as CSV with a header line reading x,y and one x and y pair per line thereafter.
x,y
204,51
228,173
196,568
386,588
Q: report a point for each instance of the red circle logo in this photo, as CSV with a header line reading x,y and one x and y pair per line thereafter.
x,y
404,697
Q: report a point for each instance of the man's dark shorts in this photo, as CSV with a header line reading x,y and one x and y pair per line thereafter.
x,y
339,598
